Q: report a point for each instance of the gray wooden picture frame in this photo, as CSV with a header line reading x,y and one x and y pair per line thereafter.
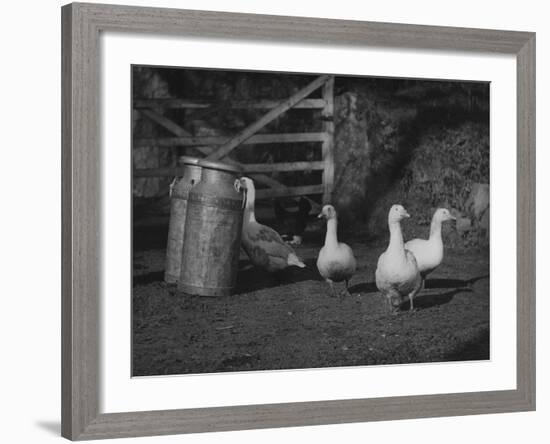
x,y
81,167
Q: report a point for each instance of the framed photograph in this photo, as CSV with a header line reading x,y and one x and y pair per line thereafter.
x,y
278,221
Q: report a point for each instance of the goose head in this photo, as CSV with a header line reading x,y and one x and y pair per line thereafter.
x,y
397,214
328,212
442,215
246,184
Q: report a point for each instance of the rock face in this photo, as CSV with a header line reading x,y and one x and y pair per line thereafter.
x,y
478,202
352,156
386,153
444,171
478,205
463,224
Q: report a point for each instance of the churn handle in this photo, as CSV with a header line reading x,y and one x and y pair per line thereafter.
x,y
237,186
172,185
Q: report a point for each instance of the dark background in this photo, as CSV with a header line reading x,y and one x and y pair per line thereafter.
x,y
422,143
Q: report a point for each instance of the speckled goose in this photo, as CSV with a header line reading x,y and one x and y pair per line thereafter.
x,y
264,246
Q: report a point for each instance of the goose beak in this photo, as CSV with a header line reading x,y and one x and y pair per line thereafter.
x,y
320,216
238,185
406,215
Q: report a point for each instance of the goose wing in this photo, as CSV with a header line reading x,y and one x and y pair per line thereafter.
x,y
428,255
265,247
414,280
417,246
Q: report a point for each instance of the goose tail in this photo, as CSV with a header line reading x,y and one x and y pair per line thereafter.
x,y
294,260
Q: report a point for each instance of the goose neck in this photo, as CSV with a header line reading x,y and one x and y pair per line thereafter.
x,y
396,238
249,215
330,237
435,229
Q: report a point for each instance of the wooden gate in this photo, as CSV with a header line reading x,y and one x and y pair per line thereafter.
x,y
219,148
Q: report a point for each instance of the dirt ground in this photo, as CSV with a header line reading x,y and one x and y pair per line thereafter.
x,y
292,321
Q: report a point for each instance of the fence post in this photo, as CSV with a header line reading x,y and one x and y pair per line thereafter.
x,y
327,114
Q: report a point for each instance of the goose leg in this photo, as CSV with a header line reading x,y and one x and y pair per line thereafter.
x,y
411,298
393,301
347,288
344,291
332,290
413,293
392,309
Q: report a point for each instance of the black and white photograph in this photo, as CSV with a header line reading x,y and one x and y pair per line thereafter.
x,y
307,220
269,222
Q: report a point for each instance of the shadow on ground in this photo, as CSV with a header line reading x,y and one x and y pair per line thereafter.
x,y
148,278
423,301
251,278
453,283
370,287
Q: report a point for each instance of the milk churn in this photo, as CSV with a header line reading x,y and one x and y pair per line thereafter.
x,y
179,191
212,238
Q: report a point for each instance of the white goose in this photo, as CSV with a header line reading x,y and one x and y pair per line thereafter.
x,y
397,274
264,246
429,252
336,262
